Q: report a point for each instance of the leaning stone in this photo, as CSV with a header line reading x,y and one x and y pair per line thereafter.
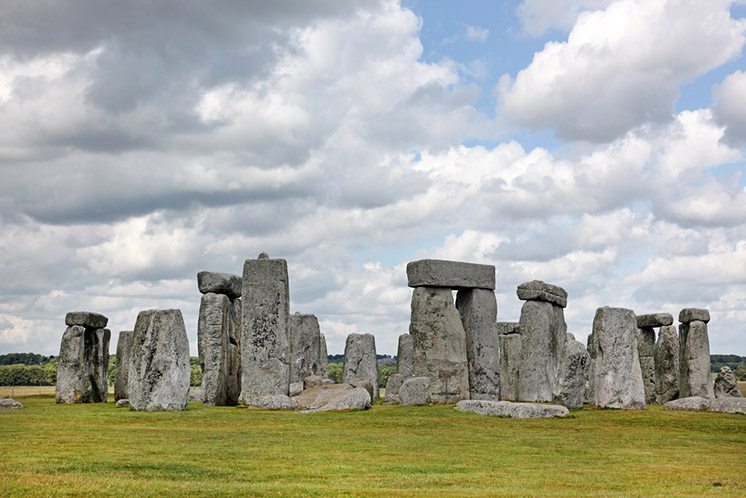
x,y
305,340
574,371
415,391
645,351
728,405
274,402
512,410
478,309
654,320
508,328
312,381
213,345
159,371
86,319
360,361
694,360
323,356
450,274
219,283
336,397
725,384
543,335
694,314
405,356
10,403
510,361
439,344
393,384
124,343
265,348
615,364
666,360
688,403
536,290
295,388
122,403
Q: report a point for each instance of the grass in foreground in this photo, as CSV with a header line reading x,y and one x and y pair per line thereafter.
x,y
64,450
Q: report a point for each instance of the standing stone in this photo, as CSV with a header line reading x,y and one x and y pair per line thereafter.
x,y
305,341
405,356
694,360
323,357
574,372
159,372
233,381
615,364
439,344
265,347
510,361
726,385
123,364
415,391
360,361
70,366
646,351
215,318
478,309
82,373
666,356
543,335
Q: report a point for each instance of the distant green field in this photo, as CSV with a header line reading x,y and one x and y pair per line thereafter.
x,y
54,450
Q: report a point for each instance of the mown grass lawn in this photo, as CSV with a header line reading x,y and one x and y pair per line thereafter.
x,y
48,449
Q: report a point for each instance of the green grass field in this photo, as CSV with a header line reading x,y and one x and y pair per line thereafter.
x,y
55,450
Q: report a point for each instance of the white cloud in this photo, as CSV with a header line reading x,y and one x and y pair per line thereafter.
x,y
730,106
538,16
476,33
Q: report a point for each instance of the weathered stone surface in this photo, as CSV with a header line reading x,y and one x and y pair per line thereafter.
x,y
122,403
405,356
512,410
295,388
573,374
415,391
439,344
158,377
219,283
86,319
265,346
124,343
305,343
536,290
645,351
697,403
82,372
233,380
666,359
323,357
450,274
313,381
725,384
694,360
365,384
543,335
393,384
71,366
360,360
335,397
615,363
478,309
10,404
688,403
508,328
274,402
570,336
654,320
214,347
510,362
694,314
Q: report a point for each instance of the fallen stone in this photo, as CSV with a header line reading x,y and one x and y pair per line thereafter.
x,y
725,384
536,290
689,403
510,362
694,314
478,309
360,361
573,374
654,320
273,402
336,397
645,352
219,283
415,391
393,384
86,319
312,381
405,356
694,360
124,343
512,410
450,274
508,328
295,388
365,384
122,403
698,403
666,360
9,404
323,356
543,335
305,342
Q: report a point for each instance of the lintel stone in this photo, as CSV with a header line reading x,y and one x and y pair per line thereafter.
x,y
654,320
536,290
219,283
688,315
86,319
451,274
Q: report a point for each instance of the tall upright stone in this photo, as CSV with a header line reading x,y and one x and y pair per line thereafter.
x,y
694,354
666,355
646,351
360,361
574,372
82,372
265,345
159,373
233,387
213,340
305,341
615,363
124,344
439,342
323,357
478,309
509,340
405,356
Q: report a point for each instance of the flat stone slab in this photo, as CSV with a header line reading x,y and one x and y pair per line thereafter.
x,y
698,403
512,410
536,290
508,328
654,320
123,403
688,315
273,402
219,283
333,397
451,274
10,404
86,319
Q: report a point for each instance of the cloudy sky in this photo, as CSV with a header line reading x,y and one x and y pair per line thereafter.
x,y
594,144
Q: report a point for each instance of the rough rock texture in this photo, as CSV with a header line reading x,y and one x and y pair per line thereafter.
x,y
312,381
543,335
274,402
570,336
694,314
124,343
666,359
219,283
439,344
71,366
360,360
510,362
415,391
536,290
265,346
9,404
122,403
234,353
213,339
478,309
405,356
615,364
694,360
450,274
654,320
574,371
86,319
305,343
333,397
158,377
393,384
512,410
323,357
508,328
82,372
295,388
646,352
365,384
689,403
723,405
725,384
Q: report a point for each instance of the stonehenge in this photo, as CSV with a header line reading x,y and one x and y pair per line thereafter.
x,y
305,346
82,372
478,309
509,340
666,359
124,343
646,350
360,361
694,354
573,374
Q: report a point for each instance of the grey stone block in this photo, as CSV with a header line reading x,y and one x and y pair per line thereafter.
x,y
450,274
334,397
654,320
124,344
86,319
219,283
82,371
510,362
478,309
694,360
543,337
512,410
360,361
305,343
405,356
415,391
573,374
726,385
666,356
508,328
694,314
536,290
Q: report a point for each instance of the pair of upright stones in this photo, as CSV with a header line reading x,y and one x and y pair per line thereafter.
x,y
659,360
84,359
